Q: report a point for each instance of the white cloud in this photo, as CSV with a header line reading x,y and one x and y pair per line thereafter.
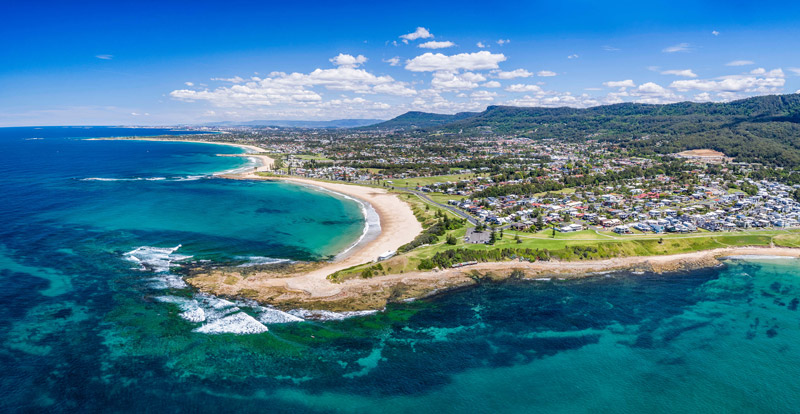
x,y
420,33
480,45
450,81
296,88
758,81
555,99
680,47
686,73
796,71
432,62
649,92
608,48
573,56
774,73
521,87
628,83
715,33
483,95
702,97
348,61
395,61
235,79
740,63
105,57
546,73
516,73
491,84
433,44
188,83
501,42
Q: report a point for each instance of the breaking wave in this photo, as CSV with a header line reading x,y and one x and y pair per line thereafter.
x,y
177,178
155,259
260,261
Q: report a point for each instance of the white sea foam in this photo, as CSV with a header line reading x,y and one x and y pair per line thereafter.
x,y
237,323
324,315
372,221
260,261
157,259
194,315
272,315
177,178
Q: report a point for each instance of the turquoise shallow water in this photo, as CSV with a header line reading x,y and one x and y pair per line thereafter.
x,y
90,323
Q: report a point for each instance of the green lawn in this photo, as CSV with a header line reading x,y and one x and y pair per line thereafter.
x,y
562,245
423,181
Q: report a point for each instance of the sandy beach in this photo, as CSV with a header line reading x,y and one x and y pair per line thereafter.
x,y
398,227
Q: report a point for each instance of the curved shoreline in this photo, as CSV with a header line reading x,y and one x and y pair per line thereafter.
x,y
397,223
363,246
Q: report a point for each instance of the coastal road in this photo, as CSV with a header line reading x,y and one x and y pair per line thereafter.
x,y
456,211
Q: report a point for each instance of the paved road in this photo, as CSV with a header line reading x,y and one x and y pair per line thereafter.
x,y
459,212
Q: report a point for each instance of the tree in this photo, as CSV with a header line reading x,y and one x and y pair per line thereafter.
x,y
451,239
519,240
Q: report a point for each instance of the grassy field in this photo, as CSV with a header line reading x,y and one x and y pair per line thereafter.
x,y
567,246
423,181
312,157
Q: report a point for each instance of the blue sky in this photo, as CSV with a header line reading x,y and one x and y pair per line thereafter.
x,y
150,63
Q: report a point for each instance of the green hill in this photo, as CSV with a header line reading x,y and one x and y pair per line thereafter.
x,y
421,120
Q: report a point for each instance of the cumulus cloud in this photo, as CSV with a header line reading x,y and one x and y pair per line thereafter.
x,y
686,73
796,71
545,73
480,45
296,88
188,83
502,42
348,61
628,83
434,62
740,63
757,81
516,73
483,95
433,44
680,47
420,33
521,87
395,61
573,56
450,81
491,84
555,99
105,57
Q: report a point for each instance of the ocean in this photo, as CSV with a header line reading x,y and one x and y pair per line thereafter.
x,y
95,319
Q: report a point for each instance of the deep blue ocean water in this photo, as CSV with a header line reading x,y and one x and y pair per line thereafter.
x,y
93,320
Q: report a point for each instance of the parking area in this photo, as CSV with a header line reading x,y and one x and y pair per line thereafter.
x,y
475,237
